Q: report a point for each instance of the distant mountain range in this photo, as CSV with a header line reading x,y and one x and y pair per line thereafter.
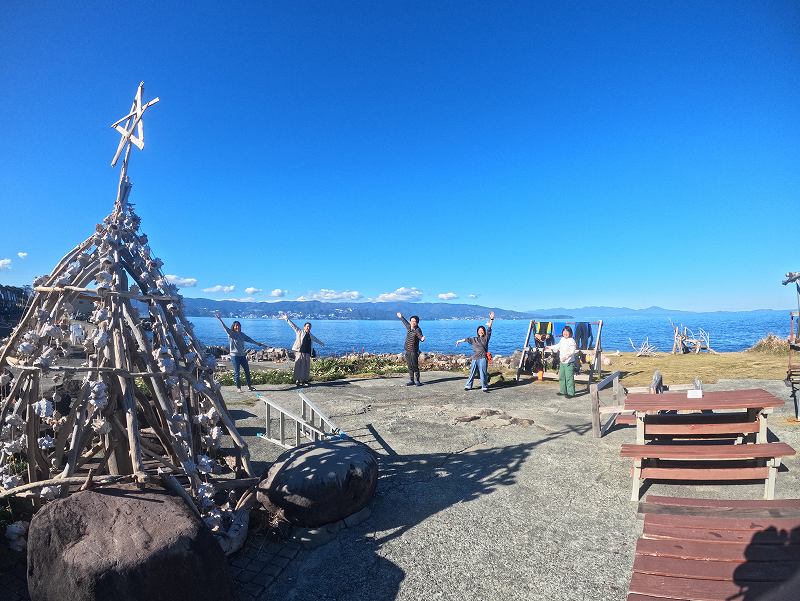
x,y
200,307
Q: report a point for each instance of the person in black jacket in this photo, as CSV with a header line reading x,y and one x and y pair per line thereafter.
x,y
413,338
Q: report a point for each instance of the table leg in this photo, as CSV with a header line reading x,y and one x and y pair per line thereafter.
x,y
640,427
637,476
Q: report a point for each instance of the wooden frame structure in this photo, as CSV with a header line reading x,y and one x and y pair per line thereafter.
x,y
595,362
793,369
147,407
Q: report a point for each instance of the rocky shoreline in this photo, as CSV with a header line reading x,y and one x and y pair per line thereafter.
x,y
428,361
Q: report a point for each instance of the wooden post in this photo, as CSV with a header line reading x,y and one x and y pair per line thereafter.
x,y
594,396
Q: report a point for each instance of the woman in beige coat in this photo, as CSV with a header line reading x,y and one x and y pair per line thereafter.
x,y
302,347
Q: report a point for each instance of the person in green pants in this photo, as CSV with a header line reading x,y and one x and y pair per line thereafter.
x,y
567,354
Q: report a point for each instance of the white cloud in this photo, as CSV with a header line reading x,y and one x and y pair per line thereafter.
x,y
473,295
251,291
220,288
5,264
22,255
278,293
244,299
401,294
181,282
331,295
447,296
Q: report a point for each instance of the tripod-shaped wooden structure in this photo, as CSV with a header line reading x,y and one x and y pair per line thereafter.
x,y
146,404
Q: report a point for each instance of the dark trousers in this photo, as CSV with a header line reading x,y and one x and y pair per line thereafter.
x,y
237,362
412,360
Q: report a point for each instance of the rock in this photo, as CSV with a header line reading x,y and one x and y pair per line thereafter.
x,y
467,418
522,421
319,483
488,412
123,543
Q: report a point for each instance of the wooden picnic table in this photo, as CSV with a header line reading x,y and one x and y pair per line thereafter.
x,y
692,440
743,411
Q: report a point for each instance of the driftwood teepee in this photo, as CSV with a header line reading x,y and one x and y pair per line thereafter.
x,y
146,404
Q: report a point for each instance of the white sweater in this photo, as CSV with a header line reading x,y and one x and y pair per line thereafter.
x,y
566,348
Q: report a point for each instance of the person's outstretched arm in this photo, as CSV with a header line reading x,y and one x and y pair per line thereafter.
x,y
227,329
256,342
290,322
489,325
317,340
404,320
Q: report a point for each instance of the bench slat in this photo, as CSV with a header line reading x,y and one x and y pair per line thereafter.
x,y
692,589
653,501
680,548
713,474
700,534
760,571
722,512
707,451
751,525
727,427
638,597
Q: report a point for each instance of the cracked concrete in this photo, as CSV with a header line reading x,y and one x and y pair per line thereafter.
x,y
476,511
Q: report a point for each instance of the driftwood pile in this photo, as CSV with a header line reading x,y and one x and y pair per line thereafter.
x,y
145,405
685,340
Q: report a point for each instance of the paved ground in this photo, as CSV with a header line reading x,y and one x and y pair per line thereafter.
x,y
481,510
478,510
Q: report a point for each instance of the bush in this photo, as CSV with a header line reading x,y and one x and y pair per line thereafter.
x,y
324,369
771,345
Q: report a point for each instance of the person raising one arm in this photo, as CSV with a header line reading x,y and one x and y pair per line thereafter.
x,y
413,338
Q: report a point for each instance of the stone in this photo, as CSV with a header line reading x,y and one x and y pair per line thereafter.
x,y
124,543
467,418
320,482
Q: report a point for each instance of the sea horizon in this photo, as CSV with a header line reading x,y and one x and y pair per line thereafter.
x,y
729,332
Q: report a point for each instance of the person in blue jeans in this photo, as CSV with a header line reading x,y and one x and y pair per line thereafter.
x,y
237,340
480,362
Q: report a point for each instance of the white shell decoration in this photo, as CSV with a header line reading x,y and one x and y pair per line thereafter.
x,y
43,408
205,464
46,442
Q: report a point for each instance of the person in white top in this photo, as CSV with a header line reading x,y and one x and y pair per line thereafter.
x,y
567,350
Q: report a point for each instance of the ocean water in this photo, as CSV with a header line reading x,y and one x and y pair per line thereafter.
x,y
728,331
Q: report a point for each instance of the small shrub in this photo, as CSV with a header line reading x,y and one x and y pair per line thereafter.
x,y
771,344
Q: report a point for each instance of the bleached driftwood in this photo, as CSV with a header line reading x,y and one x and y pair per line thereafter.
x,y
161,373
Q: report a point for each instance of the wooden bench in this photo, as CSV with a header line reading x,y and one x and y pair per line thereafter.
x,y
706,462
715,550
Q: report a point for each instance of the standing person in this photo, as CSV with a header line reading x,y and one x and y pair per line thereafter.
x,y
566,348
302,348
413,338
237,340
480,348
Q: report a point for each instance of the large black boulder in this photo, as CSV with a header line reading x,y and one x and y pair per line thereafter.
x,y
123,543
320,482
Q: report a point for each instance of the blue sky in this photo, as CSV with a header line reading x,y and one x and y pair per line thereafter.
x,y
517,154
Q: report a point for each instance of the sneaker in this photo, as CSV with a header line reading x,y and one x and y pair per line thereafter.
x,y
467,388
419,383
486,390
251,388
238,389
410,383
306,384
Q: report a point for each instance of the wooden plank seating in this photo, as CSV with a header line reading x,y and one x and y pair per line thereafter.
x,y
715,550
706,462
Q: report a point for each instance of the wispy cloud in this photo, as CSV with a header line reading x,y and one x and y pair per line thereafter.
x,y
473,295
251,291
243,299
331,295
181,282
220,288
278,293
5,264
447,296
22,255
401,294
